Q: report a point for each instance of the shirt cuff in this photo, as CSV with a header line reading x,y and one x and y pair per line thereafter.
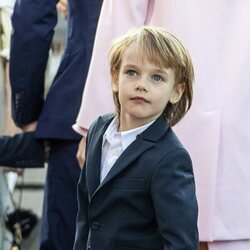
x,y
80,130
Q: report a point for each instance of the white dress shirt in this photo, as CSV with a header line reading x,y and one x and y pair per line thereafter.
x,y
114,143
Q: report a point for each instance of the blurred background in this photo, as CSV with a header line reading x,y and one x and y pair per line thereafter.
x,y
25,191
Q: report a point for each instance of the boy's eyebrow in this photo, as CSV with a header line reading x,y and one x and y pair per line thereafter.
x,y
162,71
155,70
129,65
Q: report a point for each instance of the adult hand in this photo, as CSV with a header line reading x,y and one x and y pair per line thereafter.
x,y
81,152
18,171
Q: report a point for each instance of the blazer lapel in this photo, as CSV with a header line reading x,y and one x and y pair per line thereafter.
x,y
93,161
129,155
143,142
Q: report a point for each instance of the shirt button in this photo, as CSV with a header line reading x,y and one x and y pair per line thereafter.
x,y
95,226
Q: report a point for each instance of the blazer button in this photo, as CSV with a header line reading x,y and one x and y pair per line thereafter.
x,y
95,226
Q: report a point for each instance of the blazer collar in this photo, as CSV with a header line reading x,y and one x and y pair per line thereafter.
x,y
143,142
156,130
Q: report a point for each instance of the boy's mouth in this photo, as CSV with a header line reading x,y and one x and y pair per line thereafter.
x,y
139,99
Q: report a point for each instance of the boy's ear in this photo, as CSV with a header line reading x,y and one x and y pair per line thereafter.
x,y
177,93
114,78
115,87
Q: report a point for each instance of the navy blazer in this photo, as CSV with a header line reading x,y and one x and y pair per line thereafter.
x,y
33,28
147,200
22,151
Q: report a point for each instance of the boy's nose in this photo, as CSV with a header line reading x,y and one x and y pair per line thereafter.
x,y
141,85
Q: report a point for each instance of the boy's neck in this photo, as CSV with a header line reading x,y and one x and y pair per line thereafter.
x,y
128,124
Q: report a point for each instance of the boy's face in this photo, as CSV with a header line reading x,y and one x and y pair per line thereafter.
x,y
144,90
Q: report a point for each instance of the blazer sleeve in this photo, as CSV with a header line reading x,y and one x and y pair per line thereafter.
x,y
33,28
21,150
82,227
174,199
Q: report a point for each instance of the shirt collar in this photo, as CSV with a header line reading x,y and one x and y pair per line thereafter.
x,y
126,137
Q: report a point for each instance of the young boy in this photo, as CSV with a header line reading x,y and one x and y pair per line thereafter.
x,y
136,190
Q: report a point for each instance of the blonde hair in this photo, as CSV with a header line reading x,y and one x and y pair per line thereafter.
x,y
163,49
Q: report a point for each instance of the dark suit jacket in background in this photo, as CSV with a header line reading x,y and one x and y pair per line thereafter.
x,y
147,200
33,24
22,151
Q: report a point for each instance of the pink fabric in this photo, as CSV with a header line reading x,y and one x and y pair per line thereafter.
x,y
230,245
216,130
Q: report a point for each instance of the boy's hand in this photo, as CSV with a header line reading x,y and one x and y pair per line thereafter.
x,y
62,6
30,127
81,152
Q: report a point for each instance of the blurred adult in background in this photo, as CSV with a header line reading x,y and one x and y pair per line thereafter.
x,y
216,130
6,9
52,118
7,181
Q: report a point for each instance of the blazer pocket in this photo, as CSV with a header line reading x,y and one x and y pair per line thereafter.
x,y
129,184
150,240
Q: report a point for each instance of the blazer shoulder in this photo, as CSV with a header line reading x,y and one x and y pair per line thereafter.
x,y
104,119
172,147
108,117
174,140
101,121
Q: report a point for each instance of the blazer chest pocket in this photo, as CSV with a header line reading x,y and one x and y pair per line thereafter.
x,y
128,184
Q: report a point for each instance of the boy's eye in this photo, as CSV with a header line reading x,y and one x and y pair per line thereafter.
x,y
131,73
157,78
